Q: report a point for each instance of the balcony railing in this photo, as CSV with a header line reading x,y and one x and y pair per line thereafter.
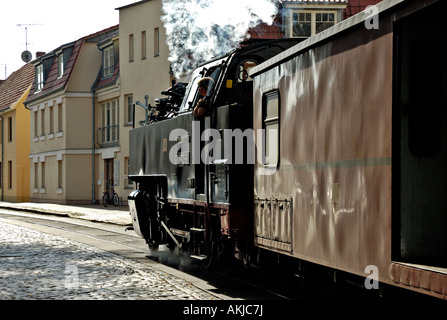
x,y
107,136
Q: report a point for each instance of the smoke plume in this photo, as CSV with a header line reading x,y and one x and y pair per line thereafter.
x,y
198,30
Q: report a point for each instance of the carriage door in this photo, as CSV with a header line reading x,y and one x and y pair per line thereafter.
x,y
420,140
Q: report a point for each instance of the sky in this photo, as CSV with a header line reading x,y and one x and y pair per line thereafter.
x,y
49,24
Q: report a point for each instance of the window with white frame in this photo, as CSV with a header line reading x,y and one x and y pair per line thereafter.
x,y
39,78
308,23
60,65
109,132
129,101
270,115
108,62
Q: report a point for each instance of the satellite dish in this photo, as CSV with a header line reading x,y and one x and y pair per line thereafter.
x,y
26,56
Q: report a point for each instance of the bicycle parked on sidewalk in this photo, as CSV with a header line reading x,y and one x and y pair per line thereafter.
x,y
110,197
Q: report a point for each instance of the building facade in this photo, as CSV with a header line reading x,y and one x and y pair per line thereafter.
x,y
60,104
144,73
15,144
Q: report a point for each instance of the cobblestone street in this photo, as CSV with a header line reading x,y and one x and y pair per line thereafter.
x,y
35,265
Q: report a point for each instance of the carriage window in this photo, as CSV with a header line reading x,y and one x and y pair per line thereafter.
x,y
271,127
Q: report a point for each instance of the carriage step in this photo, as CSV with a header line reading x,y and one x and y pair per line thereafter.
x,y
198,257
196,229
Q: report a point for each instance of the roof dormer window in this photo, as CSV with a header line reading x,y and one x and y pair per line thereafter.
x,y
60,65
309,23
108,62
39,77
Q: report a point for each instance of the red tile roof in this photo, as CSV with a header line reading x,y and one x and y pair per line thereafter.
x,y
13,88
102,82
356,6
264,31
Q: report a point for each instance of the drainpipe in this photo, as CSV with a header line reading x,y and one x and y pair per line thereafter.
x,y
93,146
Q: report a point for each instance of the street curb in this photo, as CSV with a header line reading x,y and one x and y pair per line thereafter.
x,y
95,215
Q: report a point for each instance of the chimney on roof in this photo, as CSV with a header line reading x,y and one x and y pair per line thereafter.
x,y
39,54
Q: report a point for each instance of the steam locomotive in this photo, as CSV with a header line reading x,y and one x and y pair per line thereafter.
x,y
325,153
198,206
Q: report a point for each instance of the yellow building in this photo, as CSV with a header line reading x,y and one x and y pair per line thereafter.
x,y
15,136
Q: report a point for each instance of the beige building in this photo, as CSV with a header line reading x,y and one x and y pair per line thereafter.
x,y
60,104
83,104
144,70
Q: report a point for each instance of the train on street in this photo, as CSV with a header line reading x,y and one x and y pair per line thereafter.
x,y
326,156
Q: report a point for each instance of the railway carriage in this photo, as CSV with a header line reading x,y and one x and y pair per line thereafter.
x,y
361,154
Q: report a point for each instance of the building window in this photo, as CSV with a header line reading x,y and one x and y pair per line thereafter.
x,y
36,126
42,173
127,182
9,174
39,78
109,132
51,119
143,44
156,42
108,63
131,48
42,123
309,23
36,175
9,129
60,65
59,118
302,24
129,109
59,174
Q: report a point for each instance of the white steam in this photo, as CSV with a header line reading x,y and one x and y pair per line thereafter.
x,y
198,30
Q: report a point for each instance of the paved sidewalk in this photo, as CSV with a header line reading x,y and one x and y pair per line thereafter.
x,y
115,215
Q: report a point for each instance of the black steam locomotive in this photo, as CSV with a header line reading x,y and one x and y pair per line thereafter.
x,y
188,197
